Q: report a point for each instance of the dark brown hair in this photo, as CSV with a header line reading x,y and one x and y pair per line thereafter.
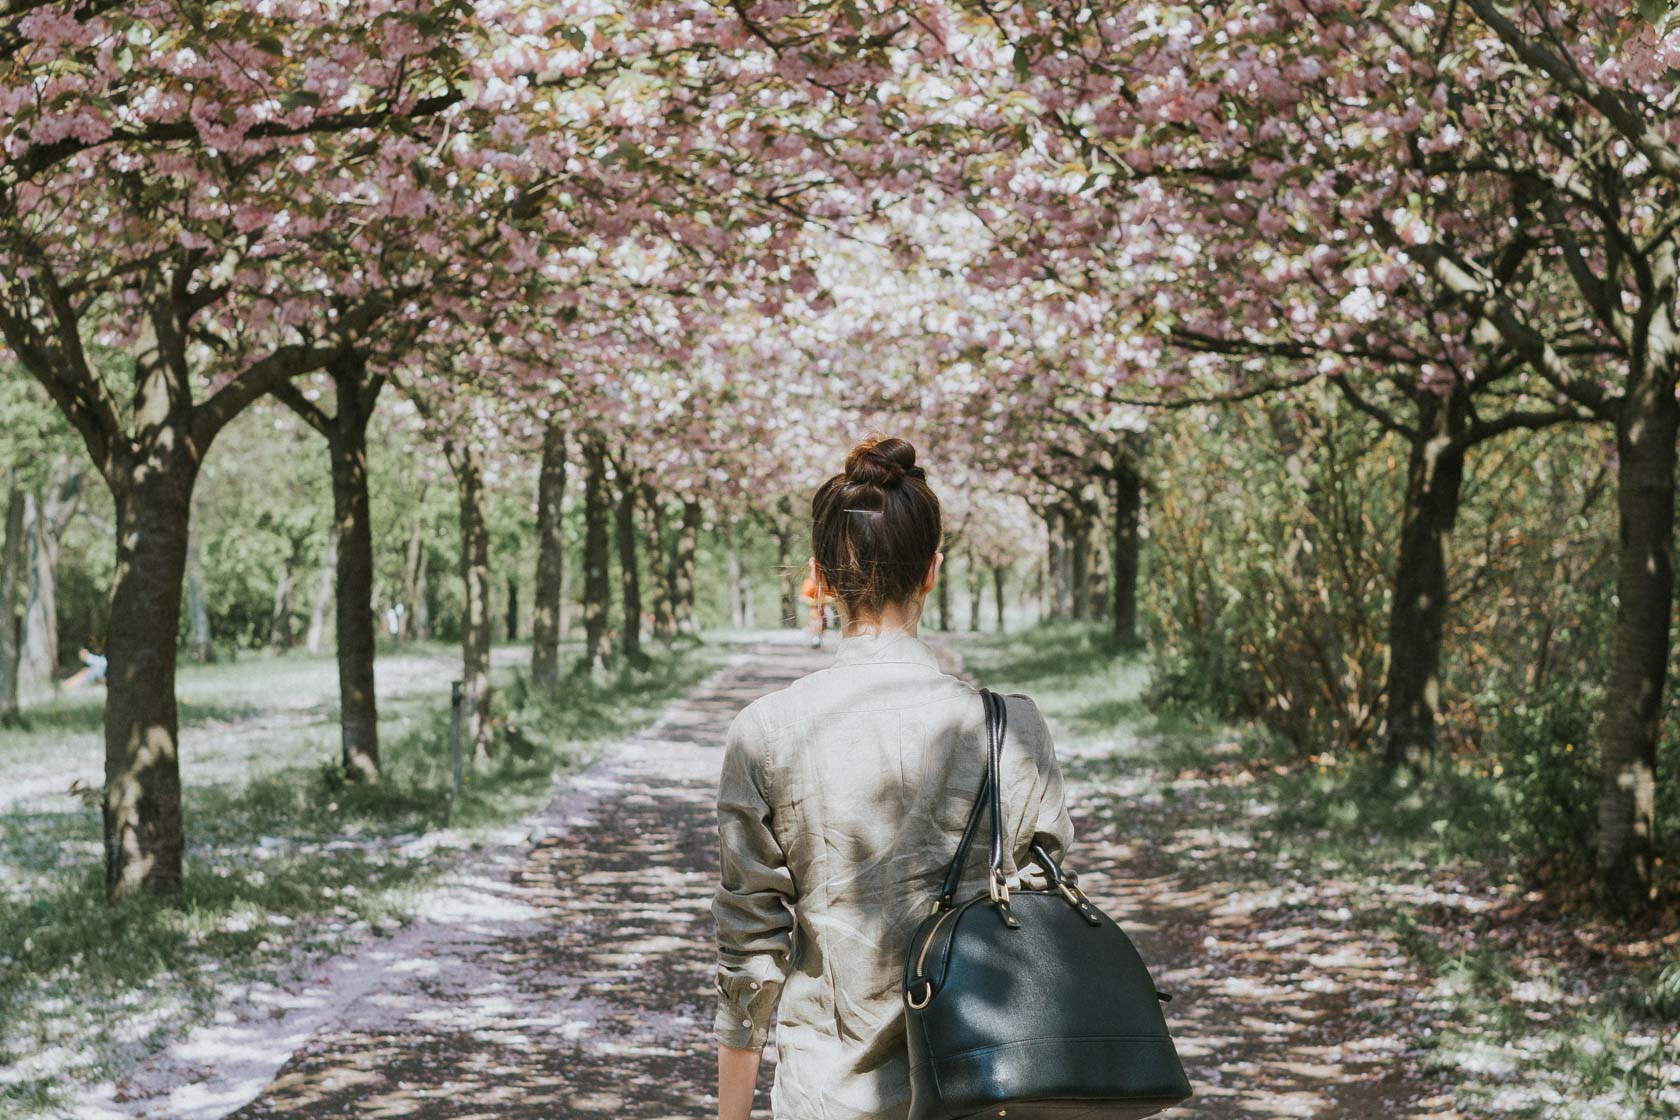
x,y
875,527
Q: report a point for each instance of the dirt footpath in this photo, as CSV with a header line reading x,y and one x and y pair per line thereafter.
x,y
572,976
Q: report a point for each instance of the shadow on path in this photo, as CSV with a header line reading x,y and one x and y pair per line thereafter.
x,y
573,976
597,1000
1283,1006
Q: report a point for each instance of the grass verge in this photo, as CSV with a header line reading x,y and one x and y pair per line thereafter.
x,y
281,868
1546,1010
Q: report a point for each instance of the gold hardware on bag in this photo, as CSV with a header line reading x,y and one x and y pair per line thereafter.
x,y
921,958
999,889
910,997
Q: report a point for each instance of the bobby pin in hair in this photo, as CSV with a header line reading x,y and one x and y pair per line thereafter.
x,y
872,512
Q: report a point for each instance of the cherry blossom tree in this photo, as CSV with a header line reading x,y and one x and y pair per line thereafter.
x,y
238,199
1283,179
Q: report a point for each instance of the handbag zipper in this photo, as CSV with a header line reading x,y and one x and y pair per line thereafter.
x,y
921,958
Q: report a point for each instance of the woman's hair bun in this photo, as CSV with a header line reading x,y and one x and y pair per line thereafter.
x,y
875,528
884,462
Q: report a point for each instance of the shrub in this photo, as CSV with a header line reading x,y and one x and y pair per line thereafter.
x,y
1546,774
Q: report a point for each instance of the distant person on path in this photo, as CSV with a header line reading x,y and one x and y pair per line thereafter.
x,y
841,801
811,592
94,667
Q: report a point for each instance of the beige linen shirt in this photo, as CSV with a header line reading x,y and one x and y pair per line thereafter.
x,y
840,804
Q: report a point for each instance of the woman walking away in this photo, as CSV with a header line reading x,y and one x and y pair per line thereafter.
x,y
841,800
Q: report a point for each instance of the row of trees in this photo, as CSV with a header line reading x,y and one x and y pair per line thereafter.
x,y
263,554
177,201
1460,219
684,239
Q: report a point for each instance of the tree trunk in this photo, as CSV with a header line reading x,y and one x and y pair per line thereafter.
x,y
1647,423
653,535
423,599
567,602
1128,508
974,585
744,592
1040,592
630,580
11,567
411,573
1055,562
597,590
280,614
682,568
476,729
942,593
1096,584
353,519
511,616
350,551
997,594
199,647
732,573
142,806
1079,556
323,593
551,559
784,580
49,515
1418,611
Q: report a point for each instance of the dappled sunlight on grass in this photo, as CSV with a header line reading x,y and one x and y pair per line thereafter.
x,y
576,980
1339,945
285,862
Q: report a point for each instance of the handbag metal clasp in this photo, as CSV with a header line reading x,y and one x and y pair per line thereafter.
x,y
999,888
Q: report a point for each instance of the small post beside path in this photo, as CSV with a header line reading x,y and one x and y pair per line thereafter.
x,y
454,744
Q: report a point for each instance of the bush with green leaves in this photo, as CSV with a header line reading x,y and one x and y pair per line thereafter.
x,y
1545,772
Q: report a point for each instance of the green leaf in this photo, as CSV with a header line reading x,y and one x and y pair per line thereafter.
x,y
576,37
1023,64
1653,10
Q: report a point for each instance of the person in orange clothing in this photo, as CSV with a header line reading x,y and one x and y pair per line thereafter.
x,y
811,592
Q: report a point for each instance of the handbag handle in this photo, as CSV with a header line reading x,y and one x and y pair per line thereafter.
x,y
991,787
953,873
994,766
997,722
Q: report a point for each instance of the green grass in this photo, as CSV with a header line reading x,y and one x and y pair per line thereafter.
x,y
284,861
1531,1033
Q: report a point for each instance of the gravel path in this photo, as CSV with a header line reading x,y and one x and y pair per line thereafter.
x,y
570,975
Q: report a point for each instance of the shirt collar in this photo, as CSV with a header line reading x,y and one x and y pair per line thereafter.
x,y
858,649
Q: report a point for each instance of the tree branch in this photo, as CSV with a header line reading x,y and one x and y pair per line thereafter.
x,y
1614,107
292,397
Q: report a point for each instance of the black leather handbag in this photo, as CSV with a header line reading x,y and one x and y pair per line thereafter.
x,y
1030,1003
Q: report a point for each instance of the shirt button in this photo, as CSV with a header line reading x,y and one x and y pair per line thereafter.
x,y
754,987
746,1022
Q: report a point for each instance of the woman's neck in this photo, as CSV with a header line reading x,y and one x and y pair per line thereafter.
x,y
893,620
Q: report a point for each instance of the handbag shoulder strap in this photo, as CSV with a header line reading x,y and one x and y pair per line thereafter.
x,y
989,795
994,766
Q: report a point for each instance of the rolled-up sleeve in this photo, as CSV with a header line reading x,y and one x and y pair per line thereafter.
x,y
753,906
